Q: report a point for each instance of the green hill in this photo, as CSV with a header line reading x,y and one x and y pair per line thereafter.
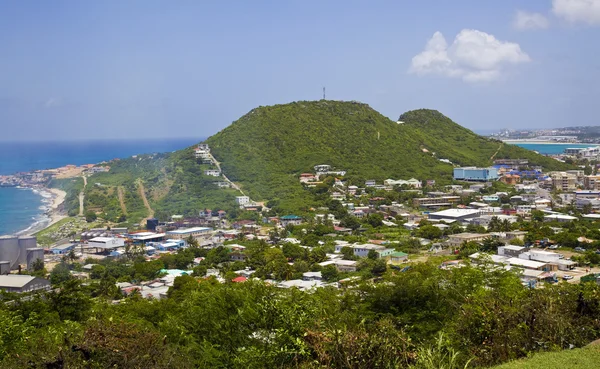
x,y
267,149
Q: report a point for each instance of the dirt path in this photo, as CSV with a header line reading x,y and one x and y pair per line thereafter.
x,y
497,151
121,196
82,196
142,192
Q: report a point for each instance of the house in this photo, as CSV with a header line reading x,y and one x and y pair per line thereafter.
x,y
312,276
455,240
341,265
435,201
23,283
212,172
559,218
307,177
242,200
510,250
290,219
398,257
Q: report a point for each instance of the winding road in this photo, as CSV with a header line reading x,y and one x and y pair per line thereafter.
x,y
233,185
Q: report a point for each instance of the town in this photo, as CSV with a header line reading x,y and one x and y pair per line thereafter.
x,y
510,215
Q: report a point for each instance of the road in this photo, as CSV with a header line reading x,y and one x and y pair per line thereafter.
x,y
82,195
218,165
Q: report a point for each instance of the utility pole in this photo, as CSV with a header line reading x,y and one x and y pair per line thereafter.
x,y
323,93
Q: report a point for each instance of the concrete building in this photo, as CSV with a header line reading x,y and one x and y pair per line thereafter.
x,y
591,182
212,172
63,249
106,243
242,200
341,265
290,219
456,240
183,233
435,201
475,174
510,251
23,283
564,181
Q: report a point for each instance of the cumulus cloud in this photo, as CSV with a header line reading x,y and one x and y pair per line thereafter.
x,y
578,11
474,56
527,21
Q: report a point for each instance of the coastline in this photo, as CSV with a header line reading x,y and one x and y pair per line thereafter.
x,y
52,198
533,142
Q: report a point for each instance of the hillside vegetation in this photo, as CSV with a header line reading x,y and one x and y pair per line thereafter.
x,y
267,149
582,358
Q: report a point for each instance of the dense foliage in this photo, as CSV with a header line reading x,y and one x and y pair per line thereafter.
x,y
413,318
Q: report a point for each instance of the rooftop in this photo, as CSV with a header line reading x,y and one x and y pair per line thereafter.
x,y
15,280
455,213
189,230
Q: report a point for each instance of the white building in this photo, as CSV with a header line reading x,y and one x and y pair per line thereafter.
x,y
212,172
106,242
195,232
242,200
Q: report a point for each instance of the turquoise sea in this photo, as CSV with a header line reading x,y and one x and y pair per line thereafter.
x,y
22,208
551,149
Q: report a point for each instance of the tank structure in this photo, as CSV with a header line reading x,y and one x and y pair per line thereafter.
x,y
9,250
4,267
26,242
34,254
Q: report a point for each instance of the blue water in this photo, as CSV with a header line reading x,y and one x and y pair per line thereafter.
x,y
27,156
20,208
551,149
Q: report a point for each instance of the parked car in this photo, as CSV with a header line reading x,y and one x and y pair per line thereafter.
x,y
553,247
566,277
579,249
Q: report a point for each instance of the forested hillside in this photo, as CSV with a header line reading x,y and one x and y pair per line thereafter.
x,y
267,149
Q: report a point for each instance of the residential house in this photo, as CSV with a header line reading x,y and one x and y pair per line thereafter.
x,y
455,240
290,219
212,172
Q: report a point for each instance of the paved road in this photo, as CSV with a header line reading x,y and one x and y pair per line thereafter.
x,y
82,195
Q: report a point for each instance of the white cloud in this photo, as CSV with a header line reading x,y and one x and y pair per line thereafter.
x,y
474,56
578,11
526,21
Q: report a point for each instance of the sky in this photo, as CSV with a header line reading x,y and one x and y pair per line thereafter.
x,y
142,69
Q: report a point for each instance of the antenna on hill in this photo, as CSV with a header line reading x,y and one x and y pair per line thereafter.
x,y
323,93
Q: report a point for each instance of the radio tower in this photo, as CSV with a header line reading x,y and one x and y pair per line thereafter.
x,y
323,93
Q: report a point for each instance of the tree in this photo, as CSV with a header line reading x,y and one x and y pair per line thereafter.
x,y
373,255
330,273
60,274
430,232
90,216
191,241
375,220
348,253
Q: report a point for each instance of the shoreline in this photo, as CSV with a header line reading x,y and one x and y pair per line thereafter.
x,y
52,199
533,142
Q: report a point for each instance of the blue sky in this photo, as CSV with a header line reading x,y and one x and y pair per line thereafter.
x,y
82,69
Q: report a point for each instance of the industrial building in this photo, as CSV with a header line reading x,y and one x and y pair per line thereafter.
x,y
23,283
475,174
13,249
460,215
106,243
195,232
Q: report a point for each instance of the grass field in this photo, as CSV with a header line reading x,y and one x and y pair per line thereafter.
x,y
583,358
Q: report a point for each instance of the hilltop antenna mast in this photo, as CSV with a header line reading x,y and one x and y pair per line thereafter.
x,y
323,93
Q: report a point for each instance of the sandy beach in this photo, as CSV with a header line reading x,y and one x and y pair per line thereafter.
x,y
53,213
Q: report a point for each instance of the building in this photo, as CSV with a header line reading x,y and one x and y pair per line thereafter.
x,y
435,201
460,215
455,240
475,174
341,265
195,232
362,250
242,200
414,183
63,249
398,257
142,237
510,251
591,182
564,181
290,219
106,243
202,152
23,283
212,172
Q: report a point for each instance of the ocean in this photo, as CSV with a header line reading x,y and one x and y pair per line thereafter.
x,y
22,208
550,148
